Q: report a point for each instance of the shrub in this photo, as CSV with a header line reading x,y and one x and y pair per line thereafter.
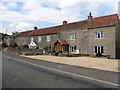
x,y
24,46
49,49
98,55
28,53
73,55
14,45
92,55
60,51
56,53
4,45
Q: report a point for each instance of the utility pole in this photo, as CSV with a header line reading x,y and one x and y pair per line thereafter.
x,y
119,9
6,32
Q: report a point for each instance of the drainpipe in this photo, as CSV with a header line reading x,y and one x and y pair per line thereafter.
x,y
51,45
86,31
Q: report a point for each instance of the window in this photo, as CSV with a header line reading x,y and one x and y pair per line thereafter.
x,y
99,35
99,49
32,39
95,49
72,49
72,36
102,49
39,38
49,38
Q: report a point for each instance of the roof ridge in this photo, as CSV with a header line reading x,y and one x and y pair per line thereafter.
x,y
75,22
100,21
105,16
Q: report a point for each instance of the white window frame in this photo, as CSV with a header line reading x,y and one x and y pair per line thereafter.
x,y
99,47
72,49
99,33
32,39
48,38
39,38
72,36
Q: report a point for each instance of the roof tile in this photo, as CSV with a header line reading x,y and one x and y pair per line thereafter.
x,y
95,22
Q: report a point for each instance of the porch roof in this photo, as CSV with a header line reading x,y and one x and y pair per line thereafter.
x,y
61,41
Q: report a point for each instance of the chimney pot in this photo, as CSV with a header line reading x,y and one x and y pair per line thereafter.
x,y
35,28
90,17
64,22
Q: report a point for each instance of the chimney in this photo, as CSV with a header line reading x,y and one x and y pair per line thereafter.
x,y
90,17
35,28
64,22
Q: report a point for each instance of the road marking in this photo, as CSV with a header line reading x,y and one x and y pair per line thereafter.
x,y
65,72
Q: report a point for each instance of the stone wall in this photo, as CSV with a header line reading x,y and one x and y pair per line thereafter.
x,y
80,41
108,41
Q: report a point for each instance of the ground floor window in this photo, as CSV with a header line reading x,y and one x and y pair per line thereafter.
x,y
72,49
99,49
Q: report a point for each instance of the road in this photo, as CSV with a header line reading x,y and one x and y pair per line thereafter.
x,y
19,73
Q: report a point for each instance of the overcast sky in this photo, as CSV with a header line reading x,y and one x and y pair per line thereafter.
x,y
22,15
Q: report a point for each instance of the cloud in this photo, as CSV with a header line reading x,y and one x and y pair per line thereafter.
x,y
12,25
11,5
23,25
36,12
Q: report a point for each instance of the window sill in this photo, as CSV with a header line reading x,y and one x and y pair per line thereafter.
x,y
72,39
99,38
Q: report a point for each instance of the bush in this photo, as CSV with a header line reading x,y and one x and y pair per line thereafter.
x,y
48,49
60,51
92,55
99,55
73,55
56,53
14,45
4,45
24,46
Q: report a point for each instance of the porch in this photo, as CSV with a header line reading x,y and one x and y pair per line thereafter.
x,y
61,45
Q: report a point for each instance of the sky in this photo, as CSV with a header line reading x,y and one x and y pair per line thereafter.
x,y
23,15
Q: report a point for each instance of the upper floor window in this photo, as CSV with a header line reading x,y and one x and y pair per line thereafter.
x,y
32,39
39,38
48,38
72,36
99,35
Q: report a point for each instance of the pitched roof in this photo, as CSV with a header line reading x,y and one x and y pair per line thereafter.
x,y
62,41
95,22
25,33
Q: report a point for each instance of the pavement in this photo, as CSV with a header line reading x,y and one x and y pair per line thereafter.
x,y
22,72
88,62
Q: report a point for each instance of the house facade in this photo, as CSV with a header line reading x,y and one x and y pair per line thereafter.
x,y
90,36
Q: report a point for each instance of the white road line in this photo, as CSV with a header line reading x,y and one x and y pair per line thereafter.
x,y
65,72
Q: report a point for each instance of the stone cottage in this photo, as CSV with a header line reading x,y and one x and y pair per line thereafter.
x,y
90,36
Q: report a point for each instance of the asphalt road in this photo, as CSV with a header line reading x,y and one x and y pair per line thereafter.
x,y
18,73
